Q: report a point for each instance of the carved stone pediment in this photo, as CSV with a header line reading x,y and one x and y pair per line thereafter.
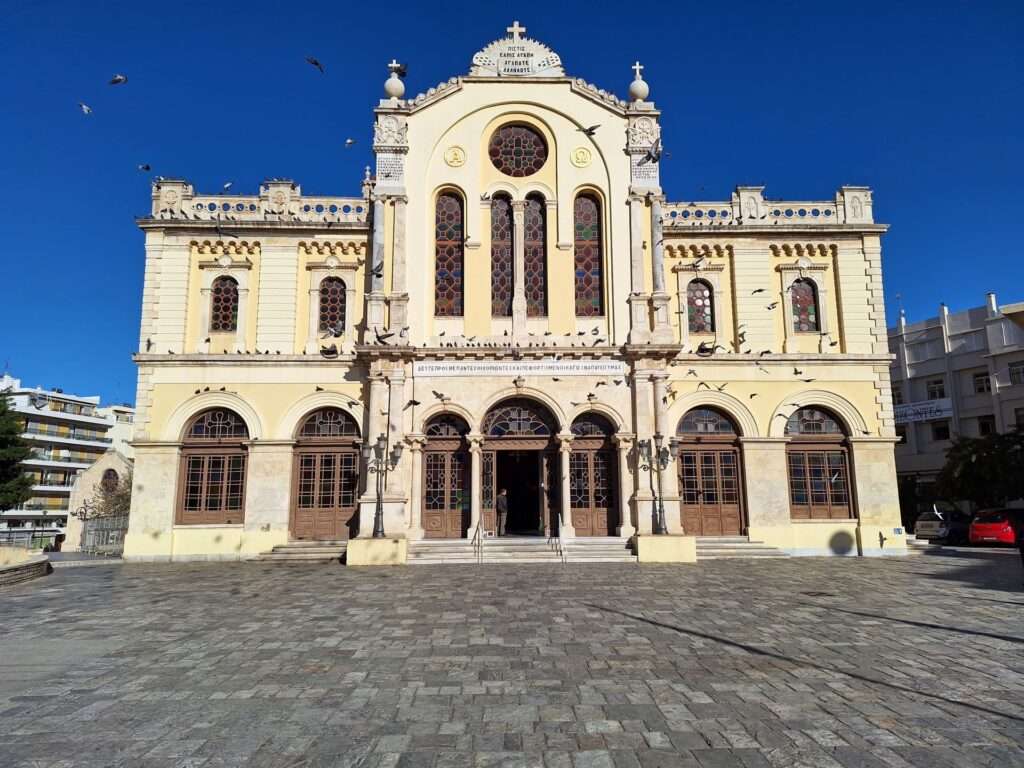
x,y
516,56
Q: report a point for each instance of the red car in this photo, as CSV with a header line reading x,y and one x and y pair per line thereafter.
x,y
996,526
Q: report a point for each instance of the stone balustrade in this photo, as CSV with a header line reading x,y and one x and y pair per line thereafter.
x,y
277,201
749,207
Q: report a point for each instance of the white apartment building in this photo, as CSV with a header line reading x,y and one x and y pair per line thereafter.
x,y
68,433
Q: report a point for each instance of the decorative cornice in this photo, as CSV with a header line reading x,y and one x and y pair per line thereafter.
x,y
231,247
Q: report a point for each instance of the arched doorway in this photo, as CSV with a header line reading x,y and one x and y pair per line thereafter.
x,y
710,497
446,478
593,486
325,479
817,461
520,454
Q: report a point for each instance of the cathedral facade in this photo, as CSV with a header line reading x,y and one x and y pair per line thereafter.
x,y
511,303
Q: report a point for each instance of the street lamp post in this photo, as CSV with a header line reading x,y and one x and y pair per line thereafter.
x,y
657,458
379,462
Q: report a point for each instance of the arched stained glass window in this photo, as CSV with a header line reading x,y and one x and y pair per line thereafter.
x,y
447,426
217,424
700,307
449,255
587,256
813,421
804,295
332,305
535,272
592,425
329,423
517,150
518,418
501,256
224,305
706,421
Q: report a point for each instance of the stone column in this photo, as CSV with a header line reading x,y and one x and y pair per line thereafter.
x,y
375,426
399,304
624,444
565,514
396,432
150,534
414,522
475,481
765,489
267,493
646,411
665,478
240,324
519,268
639,327
659,298
375,300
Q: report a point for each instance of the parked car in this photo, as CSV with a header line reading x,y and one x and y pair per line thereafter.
x,y
996,526
944,522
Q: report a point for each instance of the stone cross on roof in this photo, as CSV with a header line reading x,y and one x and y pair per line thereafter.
x,y
515,30
637,68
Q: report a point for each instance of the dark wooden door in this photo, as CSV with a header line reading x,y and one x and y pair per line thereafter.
x,y
709,490
325,491
592,492
446,494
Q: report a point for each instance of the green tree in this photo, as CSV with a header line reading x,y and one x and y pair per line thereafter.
x,y
986,470
15,485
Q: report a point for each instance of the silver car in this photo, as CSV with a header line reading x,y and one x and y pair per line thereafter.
x,y
943,522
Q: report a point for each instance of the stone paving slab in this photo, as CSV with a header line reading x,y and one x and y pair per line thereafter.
x,y
825,663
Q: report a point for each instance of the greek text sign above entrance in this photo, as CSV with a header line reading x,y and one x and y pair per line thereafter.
x,y
519,368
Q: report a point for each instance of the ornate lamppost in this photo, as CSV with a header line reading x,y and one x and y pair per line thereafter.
x,y
379,462
657,459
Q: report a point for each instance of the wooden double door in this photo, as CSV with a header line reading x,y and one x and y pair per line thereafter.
x,y
324,494
711,502
446,493
592,490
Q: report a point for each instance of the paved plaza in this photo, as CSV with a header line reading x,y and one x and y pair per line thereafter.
x,y
742,663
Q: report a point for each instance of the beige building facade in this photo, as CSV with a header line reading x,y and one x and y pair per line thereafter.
x,y
511,302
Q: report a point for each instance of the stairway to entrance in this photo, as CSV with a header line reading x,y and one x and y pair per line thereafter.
x,y
599,549
730,547
306,552
441,552
504,549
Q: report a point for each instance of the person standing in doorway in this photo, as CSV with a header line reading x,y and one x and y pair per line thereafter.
x,y
502,508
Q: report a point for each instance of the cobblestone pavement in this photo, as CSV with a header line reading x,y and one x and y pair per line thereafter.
x,y
827,663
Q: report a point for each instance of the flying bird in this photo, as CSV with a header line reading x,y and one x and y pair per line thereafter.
x,y
757,291
349,143
797,372
691,372
410,404
653,153
312,60
319,389
330,351
118,80
382,338
589,131
439,395
144,167
752,395
378,269
149,344
227,185
773,305
86,109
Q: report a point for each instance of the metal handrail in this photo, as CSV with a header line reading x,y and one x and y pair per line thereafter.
x,y
478,542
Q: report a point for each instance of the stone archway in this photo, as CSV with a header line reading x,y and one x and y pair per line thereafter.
x,y
520,454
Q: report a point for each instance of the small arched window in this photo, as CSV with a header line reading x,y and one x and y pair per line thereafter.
x,y
332,305
501,256
702,422
806,316
446,426
328,423
700,307
814,421
213,469
110,480
587,257
535,271
224,305
449,242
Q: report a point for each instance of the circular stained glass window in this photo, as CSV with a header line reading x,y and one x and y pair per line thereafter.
x,y
517,150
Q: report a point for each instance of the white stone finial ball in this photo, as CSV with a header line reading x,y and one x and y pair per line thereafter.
x,y
638,89
394,87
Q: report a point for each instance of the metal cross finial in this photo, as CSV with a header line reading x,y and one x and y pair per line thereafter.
x,y
393,65
637,68
515,30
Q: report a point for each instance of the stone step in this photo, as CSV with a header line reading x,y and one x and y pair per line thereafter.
x,y
285,550
300,557
734,547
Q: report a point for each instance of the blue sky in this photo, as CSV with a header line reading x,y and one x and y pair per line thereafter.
x,y
924,102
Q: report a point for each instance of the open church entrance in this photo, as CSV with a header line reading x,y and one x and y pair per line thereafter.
x,y
520,473
520,454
